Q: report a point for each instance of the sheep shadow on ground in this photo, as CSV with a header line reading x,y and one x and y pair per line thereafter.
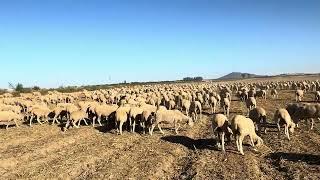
x,y
190,143
296,157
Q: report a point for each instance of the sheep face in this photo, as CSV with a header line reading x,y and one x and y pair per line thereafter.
x,y
292,126
190,122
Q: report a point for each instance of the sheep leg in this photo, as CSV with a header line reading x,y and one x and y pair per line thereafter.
x,y
94,121
73,124
31,118
151,129
237,142
252,142
120,127
286,131
38,119
99,121
15,121
67,125
79,122
160,129
312,124
222,141
240,144
133,126
177,126
85,121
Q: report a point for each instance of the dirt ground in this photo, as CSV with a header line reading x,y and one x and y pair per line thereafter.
x,y
45,152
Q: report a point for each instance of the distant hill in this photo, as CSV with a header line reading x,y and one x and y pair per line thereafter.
x,y
239,75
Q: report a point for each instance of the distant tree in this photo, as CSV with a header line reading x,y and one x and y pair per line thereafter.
x,y
19,87
36,88
243,75
199,78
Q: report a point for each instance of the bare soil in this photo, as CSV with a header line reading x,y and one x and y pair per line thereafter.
x,y
45,152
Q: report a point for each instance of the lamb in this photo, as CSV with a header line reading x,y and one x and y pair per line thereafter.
x,y
220,126
226,106
6,117
299,95
282,117
251,103
242,127
169,116
259,116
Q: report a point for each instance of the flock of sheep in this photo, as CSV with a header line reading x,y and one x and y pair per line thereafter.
x,y
149,106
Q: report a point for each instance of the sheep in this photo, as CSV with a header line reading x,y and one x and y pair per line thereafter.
x,y
213,104
194,108
242,127
274,93
171,104
134,113
76,117
169,116
147,115
121,117
299,95
259,116
220,126
283,118
262,94
307,111
226,106
39,113
186,104
102,110
251,103
8,116
317,96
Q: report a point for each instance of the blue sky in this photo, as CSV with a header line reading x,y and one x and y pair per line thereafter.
x,y
79,42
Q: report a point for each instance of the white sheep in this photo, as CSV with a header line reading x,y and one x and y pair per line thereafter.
x,y
226,106
259,116
299,95
242,127
8,116
220,126
283,118
170,116
251,103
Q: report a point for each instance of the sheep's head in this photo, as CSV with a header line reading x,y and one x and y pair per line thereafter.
x,y
190,122
293,125
259,141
